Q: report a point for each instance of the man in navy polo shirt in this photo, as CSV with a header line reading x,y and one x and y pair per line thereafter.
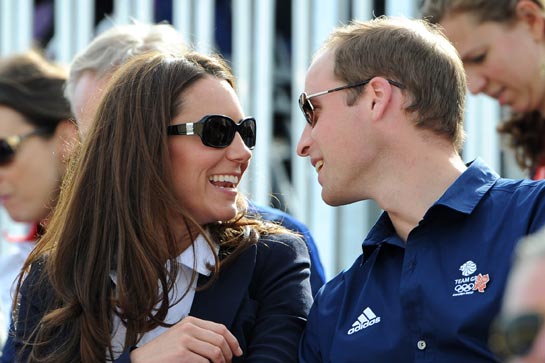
x,y
384,103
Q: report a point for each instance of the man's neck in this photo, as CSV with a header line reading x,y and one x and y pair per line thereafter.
x,y
415,189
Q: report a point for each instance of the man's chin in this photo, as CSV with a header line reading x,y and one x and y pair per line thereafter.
x,y
335,200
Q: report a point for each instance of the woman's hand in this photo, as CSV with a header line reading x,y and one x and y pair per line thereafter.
x,y
192,340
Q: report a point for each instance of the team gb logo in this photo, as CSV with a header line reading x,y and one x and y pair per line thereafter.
x,y
470,283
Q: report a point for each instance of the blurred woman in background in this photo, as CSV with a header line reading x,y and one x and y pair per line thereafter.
x,y
36,136
502,45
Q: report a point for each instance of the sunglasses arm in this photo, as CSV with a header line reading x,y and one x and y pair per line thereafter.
x,y
190,128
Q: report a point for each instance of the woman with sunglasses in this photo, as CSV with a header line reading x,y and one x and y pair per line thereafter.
x,y
149,256
35,136
502,45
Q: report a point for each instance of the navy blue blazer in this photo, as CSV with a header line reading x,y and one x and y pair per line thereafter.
x,y
263,298
317,274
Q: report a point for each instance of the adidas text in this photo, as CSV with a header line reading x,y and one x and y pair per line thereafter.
x,y
365,320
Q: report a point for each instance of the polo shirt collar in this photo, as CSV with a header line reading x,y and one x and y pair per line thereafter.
x,y
470,187
462,196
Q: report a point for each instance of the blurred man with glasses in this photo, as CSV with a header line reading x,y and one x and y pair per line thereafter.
x,y
518,334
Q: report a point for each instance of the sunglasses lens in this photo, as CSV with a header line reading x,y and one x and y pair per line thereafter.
x,y
515,336
218,131
6,152
306,107
521,333
247,130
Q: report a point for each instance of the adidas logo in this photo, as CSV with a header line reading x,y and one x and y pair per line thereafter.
x,y
365,320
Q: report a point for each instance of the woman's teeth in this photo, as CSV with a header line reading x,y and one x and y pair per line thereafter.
x,y
226,181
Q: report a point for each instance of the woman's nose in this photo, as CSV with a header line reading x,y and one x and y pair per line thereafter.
x,y
238,150
476,82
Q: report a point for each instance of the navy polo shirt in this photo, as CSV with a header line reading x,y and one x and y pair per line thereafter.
x,y
431,299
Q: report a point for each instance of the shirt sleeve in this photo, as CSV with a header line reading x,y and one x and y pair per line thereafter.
x,y
309,348
282,290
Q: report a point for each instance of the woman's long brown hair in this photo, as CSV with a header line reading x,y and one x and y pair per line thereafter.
x,y
526,136
114,214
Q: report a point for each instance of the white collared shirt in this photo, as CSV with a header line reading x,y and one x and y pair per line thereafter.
x,y
204,257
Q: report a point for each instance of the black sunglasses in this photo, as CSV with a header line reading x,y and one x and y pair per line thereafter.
x,y
514,335
218,130
308,109
10,144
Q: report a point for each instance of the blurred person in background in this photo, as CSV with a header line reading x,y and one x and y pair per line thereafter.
x,y
36,138
16,240
518,334
91,70
502,46
150,255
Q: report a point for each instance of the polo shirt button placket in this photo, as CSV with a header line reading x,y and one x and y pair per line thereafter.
x,y
421,344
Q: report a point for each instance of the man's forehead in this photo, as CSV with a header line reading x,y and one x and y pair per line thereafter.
x,y
320,71
88,91
88,84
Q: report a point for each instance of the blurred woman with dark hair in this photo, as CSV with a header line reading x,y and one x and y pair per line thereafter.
x,y
36,136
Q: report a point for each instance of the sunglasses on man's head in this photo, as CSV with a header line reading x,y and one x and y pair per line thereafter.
x,y
514,336
218,130
308,109
10,144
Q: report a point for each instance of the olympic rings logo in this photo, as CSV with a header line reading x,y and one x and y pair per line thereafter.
x,y
464,288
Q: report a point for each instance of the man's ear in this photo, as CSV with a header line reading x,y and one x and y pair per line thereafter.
x,y
380,92
67,137
530,13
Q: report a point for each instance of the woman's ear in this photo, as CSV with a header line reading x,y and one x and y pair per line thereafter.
x,y
67,138
530,13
